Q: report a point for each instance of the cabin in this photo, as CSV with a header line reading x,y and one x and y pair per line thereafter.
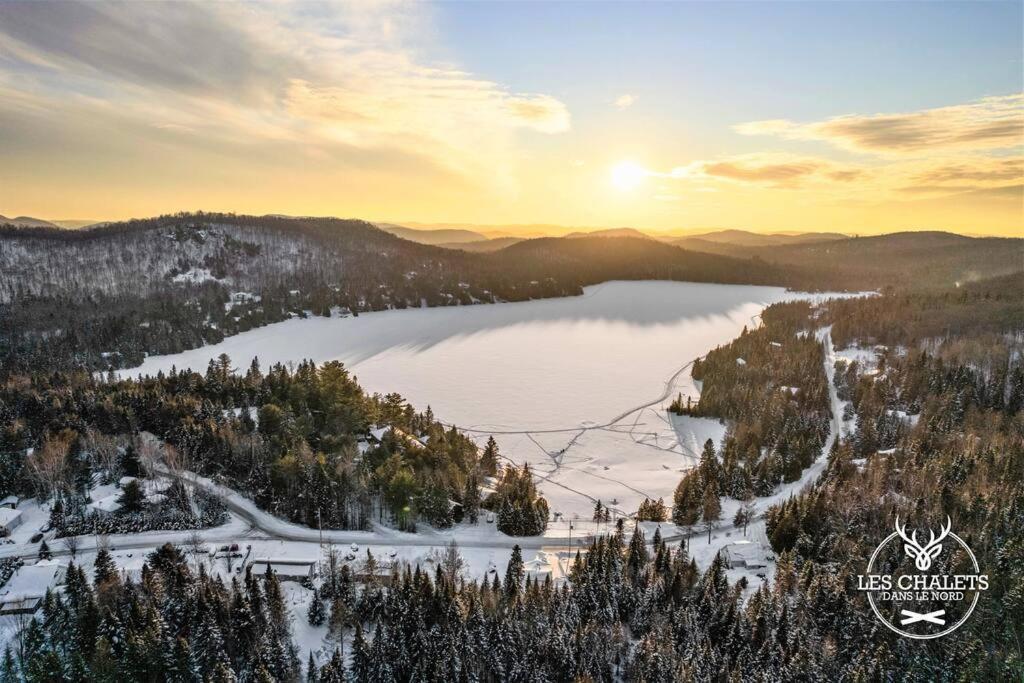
x,y
745,554
106,506
10,519
10,502
24,592
286,569
539,567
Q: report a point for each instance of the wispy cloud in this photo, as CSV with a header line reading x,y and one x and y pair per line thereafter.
x,y
332,80
941,176
990,123
779,170
625,101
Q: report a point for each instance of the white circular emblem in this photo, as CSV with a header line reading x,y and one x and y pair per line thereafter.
x,y
914,601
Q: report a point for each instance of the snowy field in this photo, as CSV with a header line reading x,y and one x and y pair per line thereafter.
x,y
575,386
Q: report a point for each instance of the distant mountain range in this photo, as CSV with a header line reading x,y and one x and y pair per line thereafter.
x,y
478,241
30,222
171,283
823,259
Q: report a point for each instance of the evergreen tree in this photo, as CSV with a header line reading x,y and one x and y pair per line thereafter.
x,y
132,498
316,613
711,510
489,458
514,573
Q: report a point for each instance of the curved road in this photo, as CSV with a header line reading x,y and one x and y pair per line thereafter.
x,y
251,522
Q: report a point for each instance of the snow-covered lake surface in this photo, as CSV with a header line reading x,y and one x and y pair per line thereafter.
x,y
575,386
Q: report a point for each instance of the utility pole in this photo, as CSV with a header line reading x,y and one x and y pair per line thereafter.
x,y
568,561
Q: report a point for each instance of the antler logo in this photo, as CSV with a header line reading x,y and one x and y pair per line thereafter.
x,y
923,555
913,601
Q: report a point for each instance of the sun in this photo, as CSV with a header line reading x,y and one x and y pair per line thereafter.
x,y
627,175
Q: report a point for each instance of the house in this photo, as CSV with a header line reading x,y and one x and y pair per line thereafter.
x,y
106,506
10,502
745,554
286,569
539,567
24,592
9,520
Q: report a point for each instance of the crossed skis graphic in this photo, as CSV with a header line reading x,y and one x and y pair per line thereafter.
x,y
930,617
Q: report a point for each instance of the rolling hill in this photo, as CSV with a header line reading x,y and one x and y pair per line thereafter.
x,y
438,236
27,222
915,260
754,239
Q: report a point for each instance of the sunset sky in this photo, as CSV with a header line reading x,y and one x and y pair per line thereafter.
x,y
856,117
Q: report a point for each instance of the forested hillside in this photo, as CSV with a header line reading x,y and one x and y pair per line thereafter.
x,y
771,386
908,260
307,445
936,428
107,296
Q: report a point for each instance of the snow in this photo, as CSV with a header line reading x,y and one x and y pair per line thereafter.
x,y
867,358
537,376
33,517
746,553
9,519
32,581
107,504
909,419
195,276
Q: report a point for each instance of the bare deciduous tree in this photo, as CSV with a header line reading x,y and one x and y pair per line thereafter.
x,y
452,562
73,543
48,465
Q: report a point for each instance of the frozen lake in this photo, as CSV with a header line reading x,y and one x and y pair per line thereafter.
x,y
592,371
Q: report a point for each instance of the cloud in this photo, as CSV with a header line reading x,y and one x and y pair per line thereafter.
x,y
335,81
996,176
771,169
625,101
949,175
986,124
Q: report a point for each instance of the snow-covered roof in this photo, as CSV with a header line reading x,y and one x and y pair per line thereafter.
x,y
10,500
32,581
740,361
284,566
108,504
124,481
752,554
8,517
379,433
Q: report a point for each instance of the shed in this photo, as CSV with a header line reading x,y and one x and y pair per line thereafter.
x,y
10,502
286,569
10,519
747,554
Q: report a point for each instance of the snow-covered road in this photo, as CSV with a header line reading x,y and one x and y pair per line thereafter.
x,y
248,521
